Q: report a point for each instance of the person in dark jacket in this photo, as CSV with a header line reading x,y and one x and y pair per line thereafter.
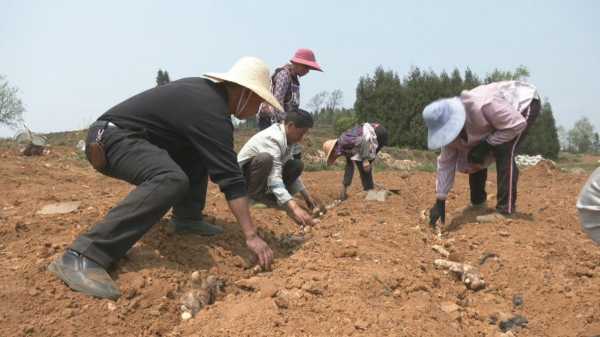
x,y
167,141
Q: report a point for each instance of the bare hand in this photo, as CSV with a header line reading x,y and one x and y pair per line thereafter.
x,y
262,251
299,215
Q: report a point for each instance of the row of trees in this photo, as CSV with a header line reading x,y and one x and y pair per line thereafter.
x,y
581,138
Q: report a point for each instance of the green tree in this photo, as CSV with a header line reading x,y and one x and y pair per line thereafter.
x,y
596,143
471,80
11,107
162,77
542,137
520,73
581,136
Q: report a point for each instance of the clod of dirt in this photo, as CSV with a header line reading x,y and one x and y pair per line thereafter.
x,y
468,274
514,322
449,307
341,252
249,284
486,256
282,300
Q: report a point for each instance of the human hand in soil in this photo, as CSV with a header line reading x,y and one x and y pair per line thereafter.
x,y
299,215
366,165
437,212
259,247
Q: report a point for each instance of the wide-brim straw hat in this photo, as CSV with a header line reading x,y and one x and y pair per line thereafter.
x,y
328,148
444,119
251,73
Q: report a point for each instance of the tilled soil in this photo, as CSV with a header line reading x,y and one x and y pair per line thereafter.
x,y
366,270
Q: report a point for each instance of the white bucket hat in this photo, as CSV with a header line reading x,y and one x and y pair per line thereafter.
x,y
251,73
444,119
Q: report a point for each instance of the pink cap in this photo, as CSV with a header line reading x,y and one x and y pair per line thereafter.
x,y
306,57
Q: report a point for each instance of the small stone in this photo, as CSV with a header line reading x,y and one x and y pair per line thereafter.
x,y
441,250
517,300
516,321
185,316
111,306
33,292
373,195
504,233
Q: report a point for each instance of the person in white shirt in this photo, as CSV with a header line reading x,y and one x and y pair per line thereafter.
x,y
588,206
272,174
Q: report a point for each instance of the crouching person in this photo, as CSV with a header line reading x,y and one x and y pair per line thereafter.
x,y
272,174
588,206
481,126
359,146
167,141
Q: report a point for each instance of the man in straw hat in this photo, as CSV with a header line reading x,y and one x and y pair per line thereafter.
x,y
588,206
286,87
272,174
359,146
167,141
483,125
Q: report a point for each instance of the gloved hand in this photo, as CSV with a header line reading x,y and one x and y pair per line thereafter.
x,y
479,152
438,211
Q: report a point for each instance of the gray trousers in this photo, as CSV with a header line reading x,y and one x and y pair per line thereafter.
x,y
163,181
257,170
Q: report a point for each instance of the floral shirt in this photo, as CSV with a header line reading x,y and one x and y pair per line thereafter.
x,y
286,88
358,143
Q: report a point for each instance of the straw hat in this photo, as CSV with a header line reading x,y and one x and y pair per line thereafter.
x,y
328,148
251,73
444,119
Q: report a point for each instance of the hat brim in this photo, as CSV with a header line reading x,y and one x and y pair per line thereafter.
x,y
311,65
266,95
331,157
444,135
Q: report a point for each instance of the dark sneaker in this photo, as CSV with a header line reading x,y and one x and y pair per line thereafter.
x,y
84,275
199,227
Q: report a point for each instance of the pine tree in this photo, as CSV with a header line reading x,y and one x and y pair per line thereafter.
x,y
162,77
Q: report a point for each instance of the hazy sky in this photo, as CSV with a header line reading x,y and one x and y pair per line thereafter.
x,y
72,60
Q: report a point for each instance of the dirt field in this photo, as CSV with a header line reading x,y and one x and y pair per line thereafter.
x,y
366,270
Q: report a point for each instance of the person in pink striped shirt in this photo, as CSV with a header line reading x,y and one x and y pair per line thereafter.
x,y
481,126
